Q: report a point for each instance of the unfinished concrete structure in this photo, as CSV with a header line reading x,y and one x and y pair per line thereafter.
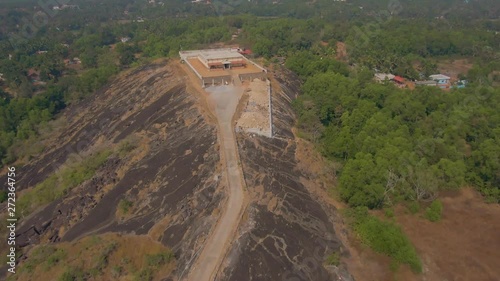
x,y
221,66
256,115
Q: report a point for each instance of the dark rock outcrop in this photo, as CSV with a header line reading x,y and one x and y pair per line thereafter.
x,y
171,178
287,234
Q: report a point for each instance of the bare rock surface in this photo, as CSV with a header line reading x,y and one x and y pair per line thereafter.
x,y
286,233
176,181
172,177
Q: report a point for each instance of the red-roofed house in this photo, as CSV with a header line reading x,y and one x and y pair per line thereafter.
x,y
398,79
246,52
33,75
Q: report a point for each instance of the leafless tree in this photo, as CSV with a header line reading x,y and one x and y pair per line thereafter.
x,y
392,181
423,184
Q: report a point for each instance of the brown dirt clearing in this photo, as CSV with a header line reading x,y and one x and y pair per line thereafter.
x,y
453,68
463,245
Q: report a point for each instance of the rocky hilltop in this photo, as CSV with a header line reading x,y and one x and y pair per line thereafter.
x,y
160,186
163,163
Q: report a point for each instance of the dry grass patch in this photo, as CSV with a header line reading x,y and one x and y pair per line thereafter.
x,y
103,257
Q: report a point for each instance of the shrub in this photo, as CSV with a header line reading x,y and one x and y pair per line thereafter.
x,y
389,212
37,257
125,205
55,258
101,261
146,274
384,237
72,274
491,194
116,271
94,272
94,240
433,212
57,185
413,207
333,259
3,196
159,259
126,146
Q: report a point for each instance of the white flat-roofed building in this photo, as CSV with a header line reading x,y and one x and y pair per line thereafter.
x,y
381,77
217,58
442,81
221,66
436,77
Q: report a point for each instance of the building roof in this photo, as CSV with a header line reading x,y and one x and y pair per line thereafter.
x,y
212,54
219,54
399,79
32,72
224,62
246,52
383,76
439,77
428,82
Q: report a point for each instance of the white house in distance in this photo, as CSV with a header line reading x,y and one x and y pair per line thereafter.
x,y
436,80
381,77
442,81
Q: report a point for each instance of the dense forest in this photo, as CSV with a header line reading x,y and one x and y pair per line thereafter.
x,y
341,108
382,44
397,144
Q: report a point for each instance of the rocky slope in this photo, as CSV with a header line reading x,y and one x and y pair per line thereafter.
x,y
165,164
286,234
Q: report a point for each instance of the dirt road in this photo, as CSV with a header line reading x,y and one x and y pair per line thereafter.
x,y
223,100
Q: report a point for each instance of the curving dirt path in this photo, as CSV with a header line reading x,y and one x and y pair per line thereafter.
x,y
224,101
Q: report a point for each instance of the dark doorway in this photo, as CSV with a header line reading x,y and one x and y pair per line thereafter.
x,y
227,65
